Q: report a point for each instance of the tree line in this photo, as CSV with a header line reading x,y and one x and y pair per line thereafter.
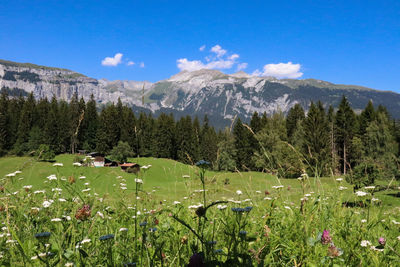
x,y
324,141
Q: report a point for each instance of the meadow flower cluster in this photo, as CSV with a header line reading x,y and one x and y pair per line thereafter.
x,y
64,223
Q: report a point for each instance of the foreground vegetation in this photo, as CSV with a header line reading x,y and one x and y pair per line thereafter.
x,y
173,214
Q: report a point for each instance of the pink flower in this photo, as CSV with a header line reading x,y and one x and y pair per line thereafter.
x,y
326,238
382,241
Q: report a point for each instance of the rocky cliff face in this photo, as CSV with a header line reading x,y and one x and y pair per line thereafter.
x,y
62,83
211,92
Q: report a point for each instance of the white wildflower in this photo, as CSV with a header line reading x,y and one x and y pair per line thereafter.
x,y
56,220
145,167
62,200
10,175
339,179
56,189
58,164
69,264
27,187
47,203
267,198
342,188
52,177
122,184
221,207
258,192
365,243
287,207
100,214
277,186
371,187
177,202
123,229
363,220
82,177
361,193
86,184
185,176
86,190
138,181
78,164
239,192
123,188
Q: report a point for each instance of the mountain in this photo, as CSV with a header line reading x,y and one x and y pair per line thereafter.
x,y
220,96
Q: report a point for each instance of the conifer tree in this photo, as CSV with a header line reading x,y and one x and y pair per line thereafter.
x,y
4,123
244,150
316,138
25,124
164,136
295,114
208,142
345,123
90,123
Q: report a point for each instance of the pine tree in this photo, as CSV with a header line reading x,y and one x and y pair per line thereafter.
x,y
51,128
345,123
4,123
366,117
90,123
295,114
244,150
226,153
208,142
128,133
316,138
25,124
164,136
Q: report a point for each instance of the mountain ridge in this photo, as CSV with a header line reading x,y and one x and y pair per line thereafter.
x,y
221,96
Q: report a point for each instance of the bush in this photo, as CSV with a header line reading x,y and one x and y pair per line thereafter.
x,y
364,174
44,153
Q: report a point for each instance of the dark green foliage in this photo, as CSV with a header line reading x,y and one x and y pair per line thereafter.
x,y
295,115
226,153
45,153
243,145
208,141
363,174
164,142
121,152
316,139
345,125
26,121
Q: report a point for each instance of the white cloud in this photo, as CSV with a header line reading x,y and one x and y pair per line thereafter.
x,y
202,47
141,64
221,60
190,65
281,70
217,49
112,61
241,66
130,63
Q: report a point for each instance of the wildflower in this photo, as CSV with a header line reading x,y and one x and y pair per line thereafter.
x,y
203,163
86,190
152,230
248,209
56,190
47,203
378,248
326,238
382,241
334,251
184,240
143,224
43,236
238,210
68,218
277,186
398,238
2,189
27,187
361,193
221,207
123,188
138,181
83,213
58,164
365,243
370,187
242,233
375,199
106,237
123,229
185,176
393,221
10,175
287,207
239,192
363,220
69,264
177,202
266,192
339,179
82,177
342,188
267,198
62,200
52,177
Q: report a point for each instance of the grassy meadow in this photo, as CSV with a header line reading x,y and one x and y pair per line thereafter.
x,y
84,216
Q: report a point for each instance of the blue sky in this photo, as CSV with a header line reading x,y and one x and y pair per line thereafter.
x,y
347,42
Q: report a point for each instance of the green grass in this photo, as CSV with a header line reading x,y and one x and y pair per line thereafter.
x,y
166,177
282,230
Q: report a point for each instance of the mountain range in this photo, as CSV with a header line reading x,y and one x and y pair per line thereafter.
x,y
221,96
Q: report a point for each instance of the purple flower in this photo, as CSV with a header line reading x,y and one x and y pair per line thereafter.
x,y
326,238
382,241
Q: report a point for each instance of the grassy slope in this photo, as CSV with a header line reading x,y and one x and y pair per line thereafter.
x,y
165,176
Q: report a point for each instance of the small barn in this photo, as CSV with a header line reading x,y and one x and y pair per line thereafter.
x,y
130,167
